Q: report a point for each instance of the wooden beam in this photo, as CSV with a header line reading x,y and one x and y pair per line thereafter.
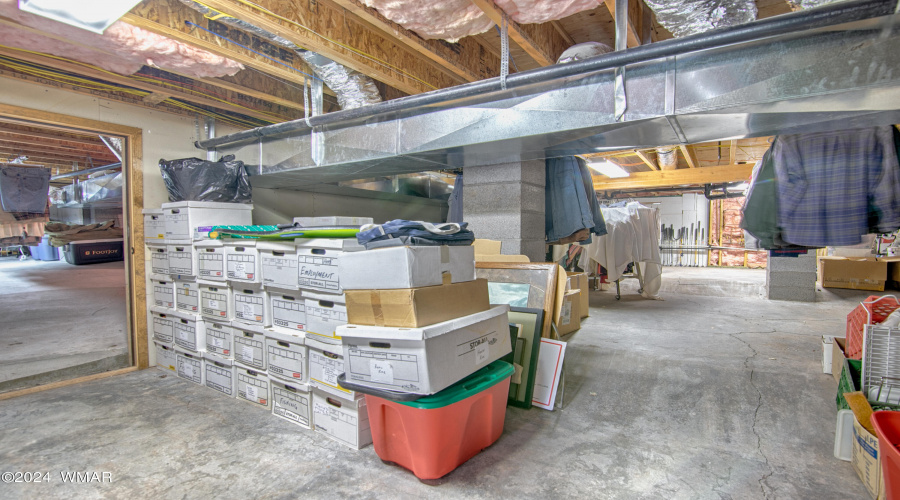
x,y
732,153
13,151
55,142
173,89
562,32
466,60
634,38
541,42
330,29
683,177
650,162
40,135
689,156
50,147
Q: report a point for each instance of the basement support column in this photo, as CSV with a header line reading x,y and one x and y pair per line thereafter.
x,y
506,202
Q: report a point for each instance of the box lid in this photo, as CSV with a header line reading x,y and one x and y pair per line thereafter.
x,y
208,244
313,343
152,211
300,388
241,327
210,356
207,204
278,246
161,277
186,352
475,383
239,287
343,244
215,284
239,242
174,313
337,298
157,243
293,338
421,333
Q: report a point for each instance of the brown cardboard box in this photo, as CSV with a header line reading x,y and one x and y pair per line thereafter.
x,y
416,307
852,273
579,281
866,460
489,251
837,357
569,318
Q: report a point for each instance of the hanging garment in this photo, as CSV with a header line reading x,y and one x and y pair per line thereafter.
x,y
455,214
24,189
19,228
760,210
570,201
834,187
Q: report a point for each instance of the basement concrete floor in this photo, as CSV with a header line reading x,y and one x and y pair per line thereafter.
x,y
692,397
59,321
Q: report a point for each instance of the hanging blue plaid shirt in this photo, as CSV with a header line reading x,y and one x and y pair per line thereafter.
x,y
834,187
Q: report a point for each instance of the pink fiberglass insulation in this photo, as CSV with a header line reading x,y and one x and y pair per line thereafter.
x,y
122,48
454,19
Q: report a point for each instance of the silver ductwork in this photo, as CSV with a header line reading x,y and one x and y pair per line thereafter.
x,y
352,88
667,158
582,51
689,17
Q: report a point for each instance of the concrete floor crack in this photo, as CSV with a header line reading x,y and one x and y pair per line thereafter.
x,y
763,481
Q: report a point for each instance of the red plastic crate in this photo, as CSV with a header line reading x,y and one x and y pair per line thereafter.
x,y
887,428
871,311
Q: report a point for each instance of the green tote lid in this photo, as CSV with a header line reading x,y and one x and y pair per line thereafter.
x,y
479,381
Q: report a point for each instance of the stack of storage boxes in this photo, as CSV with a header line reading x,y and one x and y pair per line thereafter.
x,y
253,319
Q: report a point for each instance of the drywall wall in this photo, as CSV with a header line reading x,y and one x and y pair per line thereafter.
x,y
685,220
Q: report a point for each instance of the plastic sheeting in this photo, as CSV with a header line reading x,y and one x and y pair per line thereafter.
x,y
193,179
689,17
103,188
582,51
122,48
454,19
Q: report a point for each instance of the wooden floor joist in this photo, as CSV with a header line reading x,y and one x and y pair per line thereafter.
x,y
540,41
680,177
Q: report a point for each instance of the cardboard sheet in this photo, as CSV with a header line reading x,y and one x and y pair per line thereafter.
x,y
549,373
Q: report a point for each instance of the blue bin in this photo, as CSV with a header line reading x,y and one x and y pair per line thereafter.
x,y
44,251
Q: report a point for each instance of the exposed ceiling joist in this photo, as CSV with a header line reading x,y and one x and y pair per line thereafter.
x,y
240,83
41,135
50,151
467,60
58,144
38,156
650,162
330,30
542,42
689,156
732,153
634,38
681,177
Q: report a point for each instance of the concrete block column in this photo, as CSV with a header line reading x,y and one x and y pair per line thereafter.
x,y
506,202
792,278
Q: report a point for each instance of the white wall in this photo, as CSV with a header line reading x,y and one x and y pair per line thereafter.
x,y
280,206
690,214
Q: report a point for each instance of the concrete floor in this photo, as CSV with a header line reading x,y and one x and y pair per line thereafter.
x,y
692,397
60,321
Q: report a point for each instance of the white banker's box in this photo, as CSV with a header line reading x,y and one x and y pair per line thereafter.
x,y
165,356
344,421
189,366
210,260
252,386
286,356
406,267
292,401
187,296
182,260
189,331
317,261
324,313
278,264
250,346
219,373
215,300
162,324
186,220
159,257
250,304
163,291
287,310
241,260
428,359
220,339
326,363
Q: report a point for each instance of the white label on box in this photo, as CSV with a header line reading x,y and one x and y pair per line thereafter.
x,y
188,370
481,354
213,304
319,272
485,340
331,374
322,409
252,393
291,406
217,342
381,371
565,317
247,353
183,335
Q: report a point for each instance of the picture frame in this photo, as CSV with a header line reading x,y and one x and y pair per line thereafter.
x,y
540,276
527,324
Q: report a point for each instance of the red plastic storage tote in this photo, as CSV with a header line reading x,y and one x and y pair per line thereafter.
x,y
435,434
887,427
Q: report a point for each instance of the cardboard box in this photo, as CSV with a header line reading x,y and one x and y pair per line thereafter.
x,y
286,356
215,300
424,360
210,260
326,363
501,258
292,401
182,260
487,247
413,307
187,296
855,274
837,357
219,373
220,339
324,314
287,308
250,304
189,366
278,264
189,331
154,224
490,251
318,260
569,318
162,325
241,261
165,356
191,220
163,291
252,386
866,460
345,421
406,267
332,221
579,281
250,346
159,257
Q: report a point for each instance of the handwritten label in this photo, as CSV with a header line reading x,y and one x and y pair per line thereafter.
x,y
213,304
239,268
481,354
381,371
183,335
247,353
217,342
330,374
321,409
188,370
252,393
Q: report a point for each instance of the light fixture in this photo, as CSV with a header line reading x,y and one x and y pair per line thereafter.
x,y
91,15
609,169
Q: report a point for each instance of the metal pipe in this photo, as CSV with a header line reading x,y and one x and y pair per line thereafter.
x,y
621,24
778,25
86,171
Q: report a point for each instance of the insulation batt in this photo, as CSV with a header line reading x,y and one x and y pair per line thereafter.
x,y
122,48
583,51
689,17
454,19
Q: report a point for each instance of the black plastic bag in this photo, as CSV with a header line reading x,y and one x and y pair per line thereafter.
x,y
193,179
